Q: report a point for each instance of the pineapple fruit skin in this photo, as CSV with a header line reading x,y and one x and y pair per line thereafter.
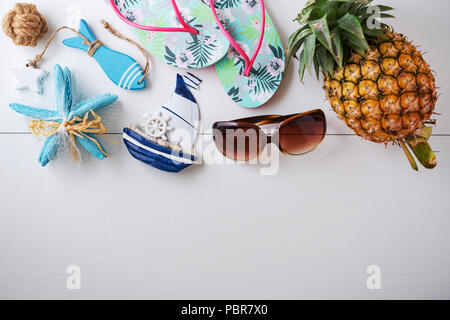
x,y
386,95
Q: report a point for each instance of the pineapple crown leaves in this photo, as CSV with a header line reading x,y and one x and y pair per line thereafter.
x,y
332,29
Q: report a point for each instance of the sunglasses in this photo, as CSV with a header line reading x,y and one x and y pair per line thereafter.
x,y
244,139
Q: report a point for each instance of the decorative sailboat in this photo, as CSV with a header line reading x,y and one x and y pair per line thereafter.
x,y
165,140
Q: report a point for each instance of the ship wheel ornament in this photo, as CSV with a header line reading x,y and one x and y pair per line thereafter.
x,y
157,126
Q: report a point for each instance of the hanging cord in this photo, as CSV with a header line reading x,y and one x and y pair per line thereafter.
x,y
93,46
121,36
34,63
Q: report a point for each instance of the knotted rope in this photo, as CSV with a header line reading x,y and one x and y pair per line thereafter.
x,y
25,25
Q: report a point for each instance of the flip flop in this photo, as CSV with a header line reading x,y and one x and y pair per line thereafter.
x,y
250,82
189,38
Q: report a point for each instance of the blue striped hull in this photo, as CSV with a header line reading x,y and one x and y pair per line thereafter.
x,y
154,154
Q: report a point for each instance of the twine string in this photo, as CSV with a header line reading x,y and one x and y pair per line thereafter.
x,y
121,36
93,46
77,127
34,63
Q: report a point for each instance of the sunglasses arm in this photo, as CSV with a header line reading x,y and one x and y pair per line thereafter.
x,y
261,120
271,119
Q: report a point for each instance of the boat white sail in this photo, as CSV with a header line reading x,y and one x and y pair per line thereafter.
x,y
166,139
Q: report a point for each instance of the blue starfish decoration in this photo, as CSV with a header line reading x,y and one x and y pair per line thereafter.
x,y
72,119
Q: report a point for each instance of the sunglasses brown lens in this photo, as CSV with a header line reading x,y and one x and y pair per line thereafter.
x,y
303,134
240,144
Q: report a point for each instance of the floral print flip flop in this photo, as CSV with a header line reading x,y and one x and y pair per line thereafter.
x,y
186,38
250,82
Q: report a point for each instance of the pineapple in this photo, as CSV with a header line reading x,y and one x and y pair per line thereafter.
x,y
375,79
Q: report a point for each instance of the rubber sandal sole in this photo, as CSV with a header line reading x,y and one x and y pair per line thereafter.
x,y
179,49
242,19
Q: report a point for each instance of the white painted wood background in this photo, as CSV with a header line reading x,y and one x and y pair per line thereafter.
x,y
222,231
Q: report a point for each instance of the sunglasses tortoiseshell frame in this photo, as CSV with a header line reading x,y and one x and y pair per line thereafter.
x,y
256,122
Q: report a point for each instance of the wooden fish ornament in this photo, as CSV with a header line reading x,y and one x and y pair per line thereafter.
x,y
120,68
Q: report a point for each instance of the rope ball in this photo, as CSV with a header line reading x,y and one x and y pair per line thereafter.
x,y
25,25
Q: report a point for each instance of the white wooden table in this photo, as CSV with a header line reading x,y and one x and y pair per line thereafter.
x,y
221,231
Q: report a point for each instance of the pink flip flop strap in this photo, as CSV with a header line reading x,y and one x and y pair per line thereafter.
x,y
186,28
248,63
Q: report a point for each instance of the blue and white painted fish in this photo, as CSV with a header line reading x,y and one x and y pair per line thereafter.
x,y
166,139
120,68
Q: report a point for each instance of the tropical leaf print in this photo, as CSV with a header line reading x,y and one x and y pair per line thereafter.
x,y
202,53
251,32
154,41
170,57
267,71
264,81
203,13
178,49
233,93
156,44
278,52
224,69
224,4
127,4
